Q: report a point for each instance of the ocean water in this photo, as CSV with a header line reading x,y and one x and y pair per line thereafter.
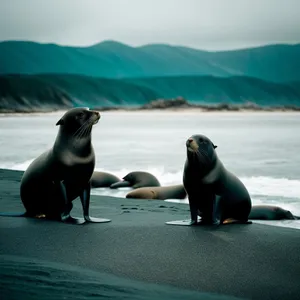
x,y
261,148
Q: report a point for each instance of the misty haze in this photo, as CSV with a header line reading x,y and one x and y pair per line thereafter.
x,y
149,149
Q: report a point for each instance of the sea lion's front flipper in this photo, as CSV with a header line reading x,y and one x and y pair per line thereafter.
x,y
194,215
120,184
187,222
65,215
193,210
85,201
216,210
71,220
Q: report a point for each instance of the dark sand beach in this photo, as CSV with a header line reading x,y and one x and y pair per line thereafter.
x,y
137,256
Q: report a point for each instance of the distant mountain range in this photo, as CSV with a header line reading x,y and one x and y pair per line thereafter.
x,y
56,91
111,59
37,76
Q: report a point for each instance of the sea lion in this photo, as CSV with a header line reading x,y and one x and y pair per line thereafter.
x,y
214,193
270,212
103,179
61,174
159,192
136,180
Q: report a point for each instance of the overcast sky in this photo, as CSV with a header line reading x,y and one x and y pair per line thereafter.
x,y
203,24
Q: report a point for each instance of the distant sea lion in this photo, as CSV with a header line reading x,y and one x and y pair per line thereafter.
x,y
219,195
270,212
103,179
136,180
58,176
159,192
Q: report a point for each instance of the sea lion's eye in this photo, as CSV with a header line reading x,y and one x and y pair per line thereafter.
x,y
80,115
201,140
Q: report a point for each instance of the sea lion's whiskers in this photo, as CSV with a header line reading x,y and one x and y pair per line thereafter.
x,y
200,156
88,130
84,130
80,132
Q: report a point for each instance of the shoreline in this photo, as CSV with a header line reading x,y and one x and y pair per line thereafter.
x,y
192,110
178,104
120,195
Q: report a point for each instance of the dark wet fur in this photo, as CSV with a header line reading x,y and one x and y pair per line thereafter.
x,y
224,197
70,161
269,212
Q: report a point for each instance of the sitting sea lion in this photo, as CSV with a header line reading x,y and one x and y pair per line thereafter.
x,y
136,180
159,192
270,212
61,174
103,179
218,195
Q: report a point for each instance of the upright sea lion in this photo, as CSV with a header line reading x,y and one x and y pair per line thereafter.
x,y
214,193
103,179
270,212
159,192
136,180
58,176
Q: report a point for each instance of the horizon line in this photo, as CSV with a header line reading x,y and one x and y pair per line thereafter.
x,y
152,43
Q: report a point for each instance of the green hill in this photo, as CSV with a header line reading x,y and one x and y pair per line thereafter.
x,y
57,91
111,59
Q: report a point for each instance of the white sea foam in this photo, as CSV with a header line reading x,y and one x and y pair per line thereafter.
x,y
22,166
268,186
257,186
261,188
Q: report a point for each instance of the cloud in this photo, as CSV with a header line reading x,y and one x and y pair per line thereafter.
x,y
197,23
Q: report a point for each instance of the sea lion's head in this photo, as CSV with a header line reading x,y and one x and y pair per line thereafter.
x,y
283,214
201,149
79,121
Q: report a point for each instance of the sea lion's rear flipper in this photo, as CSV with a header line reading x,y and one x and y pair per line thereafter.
x,y
120,184
85,201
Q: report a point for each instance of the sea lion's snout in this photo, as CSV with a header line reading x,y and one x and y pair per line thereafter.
x,y
96,117
191,144
189,141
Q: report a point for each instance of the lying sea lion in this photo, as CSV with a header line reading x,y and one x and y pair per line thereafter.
x,y
270,212
218,195
61,174
103,179
136,180
159,192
